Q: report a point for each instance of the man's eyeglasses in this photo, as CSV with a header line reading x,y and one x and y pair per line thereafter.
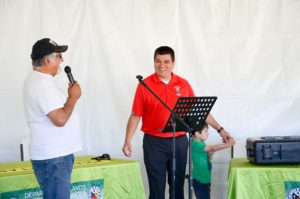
x,y
59,55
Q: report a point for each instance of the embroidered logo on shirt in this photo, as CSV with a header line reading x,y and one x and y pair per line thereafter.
x,y
177,89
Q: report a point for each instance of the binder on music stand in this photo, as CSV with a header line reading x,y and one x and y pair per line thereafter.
x,y
192,110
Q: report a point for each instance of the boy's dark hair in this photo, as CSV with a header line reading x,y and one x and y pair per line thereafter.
x,y
164,50
205,125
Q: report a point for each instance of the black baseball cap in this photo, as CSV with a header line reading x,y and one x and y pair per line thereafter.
x,y
45,47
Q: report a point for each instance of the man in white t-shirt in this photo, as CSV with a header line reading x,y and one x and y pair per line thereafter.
x,y
53,123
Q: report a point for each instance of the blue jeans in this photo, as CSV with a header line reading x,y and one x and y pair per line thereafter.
x,y
202,191
54,176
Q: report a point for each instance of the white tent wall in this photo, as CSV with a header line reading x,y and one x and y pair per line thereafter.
x,y
246,52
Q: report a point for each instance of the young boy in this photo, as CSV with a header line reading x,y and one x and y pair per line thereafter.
x,y
201,155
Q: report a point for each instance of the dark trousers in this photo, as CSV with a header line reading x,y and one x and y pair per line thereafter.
x,y
202,191
158,156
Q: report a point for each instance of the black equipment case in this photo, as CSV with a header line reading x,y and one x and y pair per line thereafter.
x,y
274,150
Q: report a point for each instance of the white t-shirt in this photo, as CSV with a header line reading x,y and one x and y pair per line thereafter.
x,y
41,96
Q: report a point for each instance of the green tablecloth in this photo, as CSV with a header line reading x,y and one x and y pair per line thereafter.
x,y
249,181
119,178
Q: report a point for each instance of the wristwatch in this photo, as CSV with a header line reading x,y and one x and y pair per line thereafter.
x,y
220,129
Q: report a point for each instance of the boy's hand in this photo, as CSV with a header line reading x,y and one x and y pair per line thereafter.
x,y
231,141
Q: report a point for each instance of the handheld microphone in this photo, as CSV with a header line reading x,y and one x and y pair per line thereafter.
x,y
69,74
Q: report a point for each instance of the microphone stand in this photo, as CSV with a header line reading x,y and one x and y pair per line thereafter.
x,y
190,130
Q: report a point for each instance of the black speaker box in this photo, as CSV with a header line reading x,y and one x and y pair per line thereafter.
x,y
273,150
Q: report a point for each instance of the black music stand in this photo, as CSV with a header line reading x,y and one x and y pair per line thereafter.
x,y
189,115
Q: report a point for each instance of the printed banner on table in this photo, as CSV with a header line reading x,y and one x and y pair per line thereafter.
x,y
292,190
92,189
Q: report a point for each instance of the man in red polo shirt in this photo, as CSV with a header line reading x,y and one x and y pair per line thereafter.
x,y
157,146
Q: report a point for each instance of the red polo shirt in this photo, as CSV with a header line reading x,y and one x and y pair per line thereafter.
x,y
154,114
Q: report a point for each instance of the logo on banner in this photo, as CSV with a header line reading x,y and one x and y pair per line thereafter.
x,y
177,90
292,190
294,194
95,193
